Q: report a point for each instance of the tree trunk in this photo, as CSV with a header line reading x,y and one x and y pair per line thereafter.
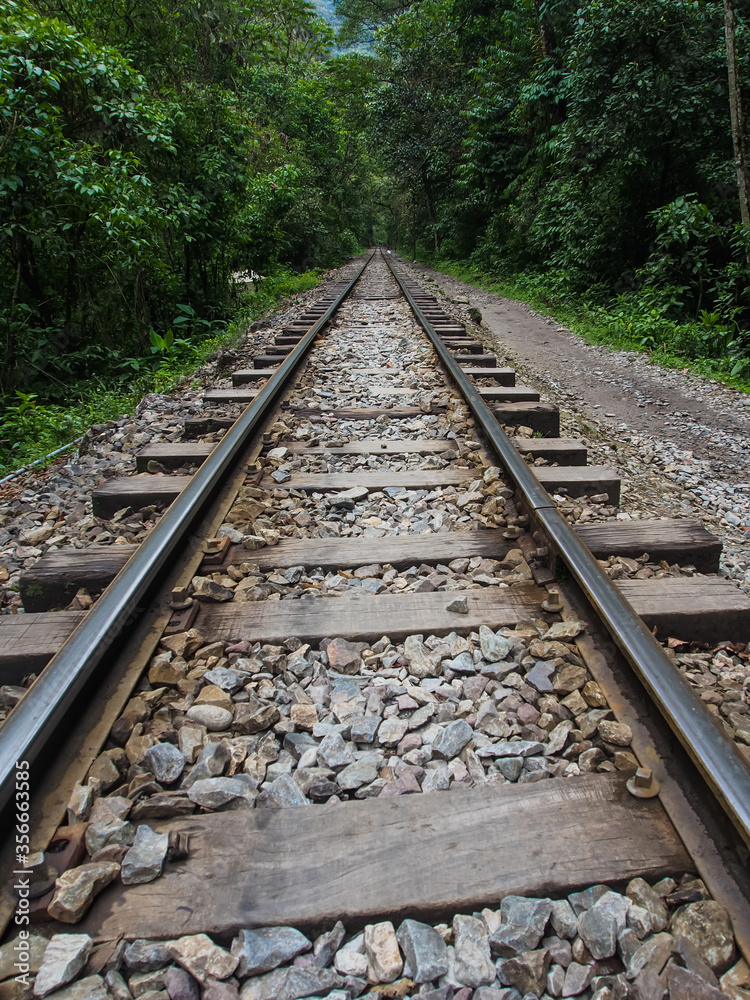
x,y
738,127
547,41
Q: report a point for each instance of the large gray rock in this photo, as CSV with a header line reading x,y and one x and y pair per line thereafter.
x,y
361,772
180,985
65,957
213,793
461,664
211,762
648,986
327,944
437,779
686,985
451,741
509,767
165,762
652,954
146,956
291,984
563,919
523,925
641,893
602,923
708,926
493,647
282,793
417,655
425,951
512,748
110,830
584,900
473,964
577,979
333,752
144,860
690,957
364,728
266,948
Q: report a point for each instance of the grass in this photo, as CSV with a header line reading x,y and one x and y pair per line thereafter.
x,y
30,428
637,322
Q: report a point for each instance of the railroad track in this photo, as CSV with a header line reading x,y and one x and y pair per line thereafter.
x,y
365,594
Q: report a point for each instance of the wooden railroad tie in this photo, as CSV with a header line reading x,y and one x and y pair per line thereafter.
x,y
392,858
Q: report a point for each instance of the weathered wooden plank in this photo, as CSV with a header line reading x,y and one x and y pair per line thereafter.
x,y
503,376
54,580
173,454
392,390
136,492
581,480
380,371
244,375
394,550
28,642
368,412
419,479
677,540
472,347
695,608
424,856
478,360
541,417
266,361
377,446
230,395
367,617
194,427
569,451
508,394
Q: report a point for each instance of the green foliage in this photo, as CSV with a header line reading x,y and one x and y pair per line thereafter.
x,y
587,146
30,429
151,150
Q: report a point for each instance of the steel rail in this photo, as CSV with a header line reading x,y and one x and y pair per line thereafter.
x,y
36,717
709,747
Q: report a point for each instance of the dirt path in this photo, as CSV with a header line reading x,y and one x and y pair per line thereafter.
x,y
692,432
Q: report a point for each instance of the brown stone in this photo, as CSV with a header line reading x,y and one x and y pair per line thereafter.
x,y
708,926
213,695
570,677
304,716
254,717
528,971
76,888
343,656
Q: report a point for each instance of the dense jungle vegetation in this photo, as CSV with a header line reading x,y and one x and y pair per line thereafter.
x,y
577,156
